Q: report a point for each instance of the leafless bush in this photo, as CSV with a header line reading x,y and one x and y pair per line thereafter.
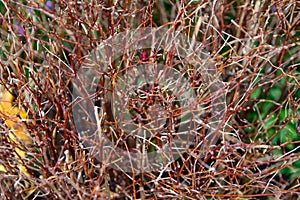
x,y
254,46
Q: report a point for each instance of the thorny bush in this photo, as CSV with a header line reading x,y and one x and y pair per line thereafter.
x,y
254,46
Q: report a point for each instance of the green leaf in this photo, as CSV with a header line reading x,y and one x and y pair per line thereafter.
x,y
270,132
287,134
283,114
285,171
297,164
297,94
255,94
252,116
277,152
265,108
275,93
255,44
249,129
270,122
291,131
290,146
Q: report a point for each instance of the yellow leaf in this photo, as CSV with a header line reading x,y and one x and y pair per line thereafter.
x,y
12,117
2,168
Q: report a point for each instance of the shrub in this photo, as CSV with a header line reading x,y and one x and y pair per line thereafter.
x,y
254,148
